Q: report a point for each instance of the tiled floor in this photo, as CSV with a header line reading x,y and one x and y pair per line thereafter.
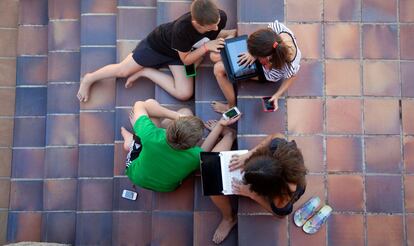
x,y
350,110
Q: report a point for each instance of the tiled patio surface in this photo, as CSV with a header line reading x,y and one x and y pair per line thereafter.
x,y
351,111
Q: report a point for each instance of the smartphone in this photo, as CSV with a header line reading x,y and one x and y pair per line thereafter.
x,y
190,70
231,113
267,105
130,195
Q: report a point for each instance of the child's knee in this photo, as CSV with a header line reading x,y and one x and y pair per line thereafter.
x,y
219,69
215,57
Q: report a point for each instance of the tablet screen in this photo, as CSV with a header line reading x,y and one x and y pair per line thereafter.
x,y
234,49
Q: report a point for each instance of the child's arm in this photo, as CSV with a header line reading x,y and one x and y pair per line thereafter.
x,y
283,87
227,34
154,109
244,190
211,139
191,57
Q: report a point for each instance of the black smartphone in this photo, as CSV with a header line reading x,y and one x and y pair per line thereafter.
x,y
190,70
267,105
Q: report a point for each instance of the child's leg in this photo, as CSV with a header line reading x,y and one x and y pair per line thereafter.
x,y
228,220
226,87
182,111
128,137
122,69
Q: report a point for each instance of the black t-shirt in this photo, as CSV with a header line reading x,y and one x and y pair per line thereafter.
x,y
180,35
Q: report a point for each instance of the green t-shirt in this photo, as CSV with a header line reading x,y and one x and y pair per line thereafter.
x,y
159,167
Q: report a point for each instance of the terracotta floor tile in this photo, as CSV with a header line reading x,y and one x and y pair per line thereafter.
x,y
29,132
206,86
102,96
122,120
260,229
64,35
381,78
61,99
182,199
68,60
309,38
59,227
7,97
409,193
5,193
28,163
409,154
60,194
342,40
312,151
343,77
119,159
9,13
97,6
379,11
62,130
6,131
61,9
98,30
385,230
309,80
142,89
139,228
33,12
147,3
24,226
103,127
32,40
3,226
379,50
384,111
308,10
299,237
170,227
346,230
349,199
406,15
124,48
96,161
342,10
344,154
8,72
248,206
410,227
255,88
407,72
31,101
383,160
315,187
377,201
169,11
245,142
31,70
93,58
101,200
8,43
343,116
270,10
305,115
26,195
205,224
5,162
406,34
143,202
93,229
68,162
202,203
230,7
135,23
249,28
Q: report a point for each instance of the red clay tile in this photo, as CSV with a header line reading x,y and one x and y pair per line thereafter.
x,y
342,40
170,227
8,72
9,10
64,35
28,163
70,61
25,226
406,15
255,121
5,193
312,151
381,78
3,226
62,9
7,96
31,70
98,30
315,187
143,202
309,38
93,229
147,3
60,194
407,73
62,130
307,10
269,10
29,132
32,40
96,128
33,12
255,88
144,89
410,227
181,199
61,99
249,28
309,80
206,86
131,227
342,10
95,194
346,230
6,131
66,167
124,48
169,11
230,7
248,142
5,162
122,120
96,161
205,223
259,229
119,159
305,115
135,23
383,160
248,206
349,199
409,154
93,58
379,11
377,201
31,101
343,116
385,230
102,95
344,154
26,195
406,35
343,77
98,6
298,237
8,42
387,48
409,193
384,111
59,227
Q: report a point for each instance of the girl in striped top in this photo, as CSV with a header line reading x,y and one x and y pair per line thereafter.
x,y
275,48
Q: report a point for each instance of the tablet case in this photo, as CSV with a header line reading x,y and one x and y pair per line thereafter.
x,y
211,179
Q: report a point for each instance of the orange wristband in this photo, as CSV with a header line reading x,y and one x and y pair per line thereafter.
x,y
205,48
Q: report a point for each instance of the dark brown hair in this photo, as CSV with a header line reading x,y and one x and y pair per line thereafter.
x,y
185,132
261,42
269,173
205,12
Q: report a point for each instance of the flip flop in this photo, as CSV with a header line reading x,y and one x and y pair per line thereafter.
x,y
306,211
315,223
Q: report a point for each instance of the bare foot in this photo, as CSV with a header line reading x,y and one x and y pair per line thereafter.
x,y
210,124
219,107
83,92
128,137
223,230
131,79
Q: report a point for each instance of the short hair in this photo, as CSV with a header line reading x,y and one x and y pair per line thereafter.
x,y
185,132
205,12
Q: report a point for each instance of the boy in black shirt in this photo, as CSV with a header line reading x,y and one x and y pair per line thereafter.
x,y
182,42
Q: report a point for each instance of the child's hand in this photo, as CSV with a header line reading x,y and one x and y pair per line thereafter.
x,y
274,99
215,45
239,188
238,161
227,122
246,59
